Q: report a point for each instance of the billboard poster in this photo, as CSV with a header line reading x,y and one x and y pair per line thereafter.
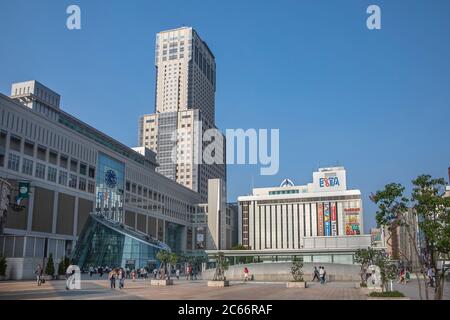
x,y
326,219
320,219
200,238
333,220
352,223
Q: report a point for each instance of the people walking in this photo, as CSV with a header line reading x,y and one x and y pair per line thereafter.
x,y
38,273
91,271
322,274
316,274
121,277
112,279
177,274
100,271
246,274
155,273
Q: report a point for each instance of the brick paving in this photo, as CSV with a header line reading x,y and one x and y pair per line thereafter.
x,y
98,289
181,290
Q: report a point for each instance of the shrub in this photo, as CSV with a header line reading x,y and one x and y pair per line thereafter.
x,y
50,267
389,294
3,266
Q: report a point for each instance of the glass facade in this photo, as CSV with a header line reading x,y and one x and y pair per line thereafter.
x,y
173,236
104,243
110,188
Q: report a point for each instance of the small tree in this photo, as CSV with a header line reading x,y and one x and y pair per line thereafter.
x,y
365,258
297,269
3,266
221,267
63,265
50,267
166,259
388,270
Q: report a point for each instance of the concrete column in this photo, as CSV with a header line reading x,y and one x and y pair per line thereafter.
x,y
55,210
30,209
75,217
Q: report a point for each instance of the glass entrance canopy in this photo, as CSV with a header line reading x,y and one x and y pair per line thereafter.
x,y
104,243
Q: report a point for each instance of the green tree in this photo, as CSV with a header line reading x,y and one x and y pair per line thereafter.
x,y
430,210
63,265
50,267
433,211
166,259
221,266
3,266
297,269
365,257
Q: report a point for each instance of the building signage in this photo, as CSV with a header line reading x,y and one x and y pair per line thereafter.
x,y
352,223
329,182
320,219
326,219
333,220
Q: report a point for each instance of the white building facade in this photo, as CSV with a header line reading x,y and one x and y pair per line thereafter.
x,y
320,215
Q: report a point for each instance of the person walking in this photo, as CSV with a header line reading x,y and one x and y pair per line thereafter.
x,y
316,274
91,271
38,273
155,273
177,274
407,276
112,279
322,274
100,271
430,275
121,277
246,274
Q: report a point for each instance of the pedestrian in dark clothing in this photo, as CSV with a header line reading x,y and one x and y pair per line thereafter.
x,y
316,274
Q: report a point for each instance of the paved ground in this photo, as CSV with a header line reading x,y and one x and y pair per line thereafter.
x,y
189,290
411,289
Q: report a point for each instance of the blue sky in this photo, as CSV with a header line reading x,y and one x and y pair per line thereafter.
x,y
377,102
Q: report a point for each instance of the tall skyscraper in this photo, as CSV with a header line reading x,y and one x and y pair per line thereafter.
x,y
185,108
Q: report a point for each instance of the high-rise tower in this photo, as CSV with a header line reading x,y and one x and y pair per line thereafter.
x,y
185,108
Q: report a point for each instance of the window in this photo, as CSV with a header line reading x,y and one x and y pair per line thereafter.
x,y
91,172
73,181
28,148
62,178
53,158
83,169
13,162
73,165
40,171
14,143
127,186
82,184
42,153
63,162
27,167
91,186
51,174
2,148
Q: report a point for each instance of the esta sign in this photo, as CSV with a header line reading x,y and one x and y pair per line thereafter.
x,y
329,182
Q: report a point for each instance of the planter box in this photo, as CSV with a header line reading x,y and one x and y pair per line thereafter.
x,y
220,284
296,284
161,282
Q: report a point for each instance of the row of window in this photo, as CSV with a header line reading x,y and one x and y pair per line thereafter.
x,y
50,173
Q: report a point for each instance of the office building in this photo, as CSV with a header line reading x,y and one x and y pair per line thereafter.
x,y
82,181
185,108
